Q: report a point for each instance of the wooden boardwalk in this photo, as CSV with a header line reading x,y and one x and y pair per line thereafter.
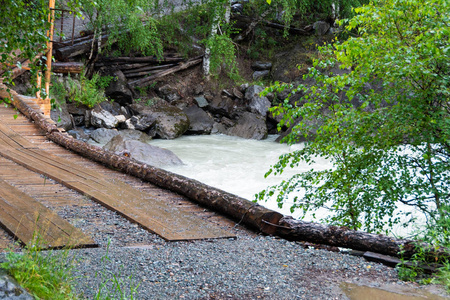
x,y
32,222
156,210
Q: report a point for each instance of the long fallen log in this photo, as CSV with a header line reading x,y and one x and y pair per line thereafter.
x,y
67,67
144,70
245,212
108,61
67,43
147,80
140,74
77,49
132,66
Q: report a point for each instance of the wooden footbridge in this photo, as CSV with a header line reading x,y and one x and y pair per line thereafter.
x,y
33,168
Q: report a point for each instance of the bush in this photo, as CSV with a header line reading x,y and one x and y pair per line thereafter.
x,y
82,91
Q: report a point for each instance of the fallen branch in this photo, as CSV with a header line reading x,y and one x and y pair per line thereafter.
x,y
252,25
147,80
144,71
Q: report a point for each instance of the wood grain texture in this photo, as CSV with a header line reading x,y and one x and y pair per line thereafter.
x,y
26,219
152,213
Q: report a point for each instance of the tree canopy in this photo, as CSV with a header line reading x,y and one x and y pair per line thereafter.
x,y
383,119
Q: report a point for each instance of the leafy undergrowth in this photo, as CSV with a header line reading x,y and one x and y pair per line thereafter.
x,y
46,275
50,274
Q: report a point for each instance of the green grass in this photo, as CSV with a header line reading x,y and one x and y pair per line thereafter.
x,y
45,274
50,274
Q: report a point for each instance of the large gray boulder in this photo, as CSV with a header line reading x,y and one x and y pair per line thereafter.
x,y
148,154
103,118
170,121
113,107
62,117
224,106
200,121
118,89
249,126
135,135
140,122
79,113
256,103
103,135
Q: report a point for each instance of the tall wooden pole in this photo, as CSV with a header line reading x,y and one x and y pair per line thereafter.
x,y
45,106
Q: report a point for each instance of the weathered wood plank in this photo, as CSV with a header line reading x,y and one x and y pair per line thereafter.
x,y
10,137
153,214
23,217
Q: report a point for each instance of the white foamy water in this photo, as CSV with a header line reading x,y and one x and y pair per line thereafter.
x,y
233,164
238,166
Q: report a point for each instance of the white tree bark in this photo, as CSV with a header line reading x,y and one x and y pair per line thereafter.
x,y
207,57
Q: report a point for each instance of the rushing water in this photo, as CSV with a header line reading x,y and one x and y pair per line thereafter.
x,y
238,165
232,164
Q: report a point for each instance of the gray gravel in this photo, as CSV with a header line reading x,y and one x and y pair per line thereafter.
x,y
242,268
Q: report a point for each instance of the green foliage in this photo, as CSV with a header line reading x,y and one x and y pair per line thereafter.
x,y
83,91
23,32
49,274
437,236
129,23
262,46
222,54
324,9
383,121
45,275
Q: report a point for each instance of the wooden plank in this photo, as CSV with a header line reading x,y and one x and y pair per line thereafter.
x,y
23,217
151,210
152,214
6,132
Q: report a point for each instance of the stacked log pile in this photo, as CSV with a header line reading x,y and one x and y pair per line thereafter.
x,y
82,45
141,71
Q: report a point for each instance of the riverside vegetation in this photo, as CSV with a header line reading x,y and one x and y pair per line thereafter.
x,y
378,108
49,274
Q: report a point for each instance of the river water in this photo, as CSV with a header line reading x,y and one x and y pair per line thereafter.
x,y
233,164
238,166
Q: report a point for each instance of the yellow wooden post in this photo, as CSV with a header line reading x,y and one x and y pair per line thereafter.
x,y
45,105
38,85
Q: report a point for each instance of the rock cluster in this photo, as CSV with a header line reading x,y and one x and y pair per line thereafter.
x,y
241,112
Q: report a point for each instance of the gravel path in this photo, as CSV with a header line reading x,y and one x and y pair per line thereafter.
x,y
248,267
242,268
